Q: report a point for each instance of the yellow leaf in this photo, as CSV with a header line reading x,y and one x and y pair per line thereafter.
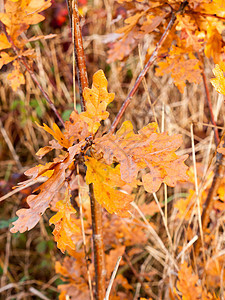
x,y
219,81
97,98
16,78
57,134
4,43
106,181
65,225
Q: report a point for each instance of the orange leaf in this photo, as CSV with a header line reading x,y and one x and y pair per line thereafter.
x,y
4,43
106,181
65,225
28,218
219,81
6,58
147,149
16,78
187,283
97,98
57,134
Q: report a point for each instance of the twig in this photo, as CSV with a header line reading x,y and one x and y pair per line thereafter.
x,y
32,74
210,197
79,53
99,258
146,67
96,209
209,102
112,278
83,235
41,179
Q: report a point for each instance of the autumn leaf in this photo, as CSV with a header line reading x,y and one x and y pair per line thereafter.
x,y
16,78
28,218
106,183
188,283
65,224
6,58
219,81
147,149
4,43
181,69
97,98
57,134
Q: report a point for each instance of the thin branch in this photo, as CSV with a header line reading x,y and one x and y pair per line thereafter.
x,y
32,74
99,258
209,102
218,175
146,67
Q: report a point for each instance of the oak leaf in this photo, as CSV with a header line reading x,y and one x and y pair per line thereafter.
x,y
106,183
181,69
57,134
188,283
28,218
65,224
97,98
147,149
219,81
16,78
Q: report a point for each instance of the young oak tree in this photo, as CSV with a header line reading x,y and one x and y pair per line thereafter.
x,y
119,158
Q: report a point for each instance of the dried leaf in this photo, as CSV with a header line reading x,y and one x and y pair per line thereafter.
x,y
106,181
188,283
28,218
147,149
65,224
219,81
97,98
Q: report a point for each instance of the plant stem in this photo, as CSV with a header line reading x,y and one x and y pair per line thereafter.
x,y
99,257
209,102
96,209
32,74
146,67
218,174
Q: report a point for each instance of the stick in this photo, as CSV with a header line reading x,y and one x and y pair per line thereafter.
x,y
146,67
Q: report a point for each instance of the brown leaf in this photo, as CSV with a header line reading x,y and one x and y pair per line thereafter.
x,y
28,218
147,149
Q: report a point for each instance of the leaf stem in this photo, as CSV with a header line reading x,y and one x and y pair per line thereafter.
x,y
146,67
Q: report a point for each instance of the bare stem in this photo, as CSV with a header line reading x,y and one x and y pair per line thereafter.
x,y
99,258
96,209
32,74
209,102
146,67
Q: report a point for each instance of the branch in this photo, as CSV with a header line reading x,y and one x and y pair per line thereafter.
x,y
32,74
78,48
218,175
209,102
96,209
146,67
99,257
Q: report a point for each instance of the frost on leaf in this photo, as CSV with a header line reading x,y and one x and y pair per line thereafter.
x,y
219,81
97,98
65,224
106,183
28,218
148,150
